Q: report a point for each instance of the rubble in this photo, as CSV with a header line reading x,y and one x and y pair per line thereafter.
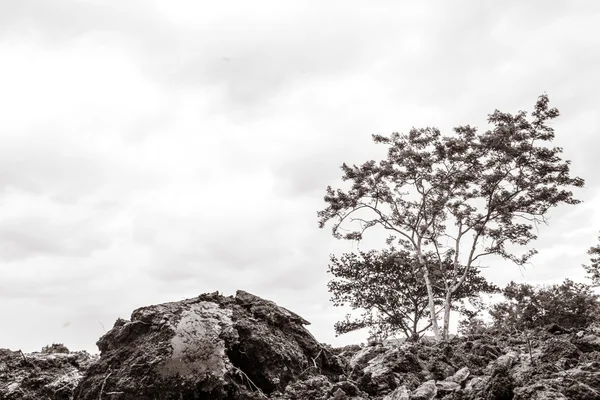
x,y
48,374
246,347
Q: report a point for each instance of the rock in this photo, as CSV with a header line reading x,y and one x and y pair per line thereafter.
x,y
505,361
476,384
587,374
557,349
362,357
500,384
537,392
388,370
348,388
460,376
556,329
426,391
587,343
400,393
339,395
594,328
447,386
51,374
212,346
313,388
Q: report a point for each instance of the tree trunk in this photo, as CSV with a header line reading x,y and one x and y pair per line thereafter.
x,y
415,331
434,324
447,304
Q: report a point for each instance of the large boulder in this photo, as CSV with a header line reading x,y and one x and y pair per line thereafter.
x,y
212,346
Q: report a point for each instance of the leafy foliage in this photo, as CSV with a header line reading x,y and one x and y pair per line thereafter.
x,y
457,198
570,304
386,285
55,348
593,269
472,326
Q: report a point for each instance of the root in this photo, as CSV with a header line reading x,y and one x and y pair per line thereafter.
x,y
250,382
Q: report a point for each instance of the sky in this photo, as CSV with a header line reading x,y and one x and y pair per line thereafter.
x,y
151,151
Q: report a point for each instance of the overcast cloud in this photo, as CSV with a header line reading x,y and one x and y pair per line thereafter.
x,y
153,151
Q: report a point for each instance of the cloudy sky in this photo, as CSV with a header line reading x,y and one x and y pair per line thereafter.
x,y
151,151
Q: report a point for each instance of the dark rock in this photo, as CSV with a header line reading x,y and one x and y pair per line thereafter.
x,y
426,391
401,393
499,387
447,386
348,388
557,349
388,370
51,374
460,376
208,347
537,392
556,329
587,343
314,388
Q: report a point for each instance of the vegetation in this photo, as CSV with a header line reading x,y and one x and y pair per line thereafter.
x,y
593,269
451,200
386,286
55,348
570,305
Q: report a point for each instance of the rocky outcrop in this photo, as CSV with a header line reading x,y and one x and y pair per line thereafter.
x,y
246,347
50,374
209,347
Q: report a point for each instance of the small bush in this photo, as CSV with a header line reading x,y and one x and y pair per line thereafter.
x,y
55,348
570,305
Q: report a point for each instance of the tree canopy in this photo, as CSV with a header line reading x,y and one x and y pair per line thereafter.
x,y
387,287
570,304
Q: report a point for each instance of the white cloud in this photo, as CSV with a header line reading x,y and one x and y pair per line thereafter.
x,y
154,151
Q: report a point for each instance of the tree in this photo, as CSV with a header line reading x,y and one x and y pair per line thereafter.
x,y
386,286
593,270
472,326
457,198
569,304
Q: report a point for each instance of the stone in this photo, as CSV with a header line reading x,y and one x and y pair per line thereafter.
x,y
537,392
447,386
556,329
400,393
556,349
52,373
460,376
588,343
387,370
212,346
505,361
426,391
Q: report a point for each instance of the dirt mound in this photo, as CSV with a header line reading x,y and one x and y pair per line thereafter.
x,y
209,347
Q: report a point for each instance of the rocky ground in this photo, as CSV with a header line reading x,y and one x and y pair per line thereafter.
x,y
245,347
52,373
